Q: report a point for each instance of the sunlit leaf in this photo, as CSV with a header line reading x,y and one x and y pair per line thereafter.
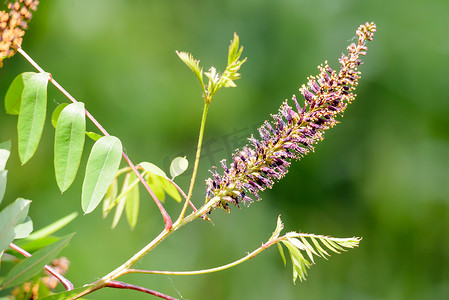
x,y
119,208
152,168
5,151
24,229
132,203
34,264
33,245
281,251
14,93
178,166
11,216
3,181
103,163
32,115
156,185
53,227
279,227
56,113
109,197
170,189
69,143
93,135
193,64
121,202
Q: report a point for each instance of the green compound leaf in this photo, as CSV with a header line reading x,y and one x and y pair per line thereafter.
x,y
52,228
69,144
5,150
193,64
14,93
103,163
32,115
56,113
159,183
34,264
109,197
281,252
178,166
170,189
24,229
156,185
132,203
11,216
93,135
120,205
3,180
152,168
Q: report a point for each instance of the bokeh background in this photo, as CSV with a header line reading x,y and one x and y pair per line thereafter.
x,y
381,174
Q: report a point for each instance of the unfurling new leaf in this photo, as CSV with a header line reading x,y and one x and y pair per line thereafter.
x,y
193,64
217,81
297,242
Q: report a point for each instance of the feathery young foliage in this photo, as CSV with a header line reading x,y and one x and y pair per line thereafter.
x,y
217,81
297,242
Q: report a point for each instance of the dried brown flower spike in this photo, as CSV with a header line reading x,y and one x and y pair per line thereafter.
x,y
13,25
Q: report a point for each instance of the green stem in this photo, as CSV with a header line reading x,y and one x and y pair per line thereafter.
x,y
123,269
197,159
104,281
211,270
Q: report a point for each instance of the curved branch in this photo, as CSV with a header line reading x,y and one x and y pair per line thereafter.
x,y
211,270
123,285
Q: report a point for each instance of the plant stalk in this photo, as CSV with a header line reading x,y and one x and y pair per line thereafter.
x,y
197,159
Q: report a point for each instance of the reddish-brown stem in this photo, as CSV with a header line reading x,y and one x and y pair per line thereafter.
x,y
182,193
167,219
65,282
122,285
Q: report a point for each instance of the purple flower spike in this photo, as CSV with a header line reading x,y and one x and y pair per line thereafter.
x,y
292,134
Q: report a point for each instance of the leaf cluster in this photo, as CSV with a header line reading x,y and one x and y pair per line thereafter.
x,y
216,81
311,244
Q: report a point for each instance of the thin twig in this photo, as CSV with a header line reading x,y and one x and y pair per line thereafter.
x,y
197,159
65,282
122,285
211,270
167,219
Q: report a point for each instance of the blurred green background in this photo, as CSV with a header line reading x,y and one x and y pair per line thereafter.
x,y
381,174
